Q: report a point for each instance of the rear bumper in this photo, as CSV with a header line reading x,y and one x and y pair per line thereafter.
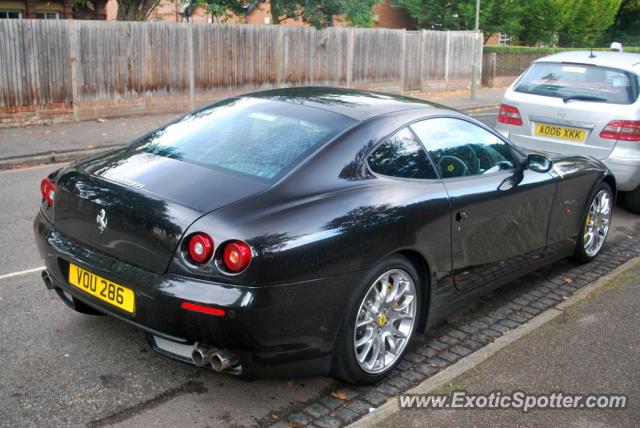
x,y
625,165
623,160
272,329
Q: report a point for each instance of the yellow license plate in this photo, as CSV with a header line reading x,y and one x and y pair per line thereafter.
x,y
561,132
103,289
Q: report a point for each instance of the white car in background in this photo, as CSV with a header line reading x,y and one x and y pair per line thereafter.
x,y
580,103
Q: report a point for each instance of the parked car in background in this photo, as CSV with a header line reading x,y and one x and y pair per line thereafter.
x,y
583,103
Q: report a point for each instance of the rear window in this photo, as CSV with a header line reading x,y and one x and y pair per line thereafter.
x,y
254,137
580,82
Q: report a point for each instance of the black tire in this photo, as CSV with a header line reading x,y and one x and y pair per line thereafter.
x,y
579,253
345,366
632,201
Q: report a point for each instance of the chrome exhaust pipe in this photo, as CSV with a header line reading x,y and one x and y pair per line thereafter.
x,y
223,360
48,282
201,356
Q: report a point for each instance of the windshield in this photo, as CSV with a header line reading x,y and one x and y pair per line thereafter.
x,y
255,137
580,82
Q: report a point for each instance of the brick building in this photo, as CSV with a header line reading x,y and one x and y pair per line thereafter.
x,y
387,14
53,9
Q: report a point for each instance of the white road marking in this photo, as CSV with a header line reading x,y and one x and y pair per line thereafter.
x,y
22,272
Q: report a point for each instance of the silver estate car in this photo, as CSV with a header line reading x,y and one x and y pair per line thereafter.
x,y
580,103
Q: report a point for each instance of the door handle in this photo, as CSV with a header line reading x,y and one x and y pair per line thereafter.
x,y
461,215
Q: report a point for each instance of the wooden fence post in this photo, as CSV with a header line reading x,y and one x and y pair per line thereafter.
x,y
403,65
278,53
447,54
191,71
492,69
421,59
350,43
73,55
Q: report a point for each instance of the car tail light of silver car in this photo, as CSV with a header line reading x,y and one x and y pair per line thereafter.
x,y
48,190
200,246
509,115
624,130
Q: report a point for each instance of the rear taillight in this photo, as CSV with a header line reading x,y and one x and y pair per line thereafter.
x,y
509,115
48,190
236,256
200,247
623,130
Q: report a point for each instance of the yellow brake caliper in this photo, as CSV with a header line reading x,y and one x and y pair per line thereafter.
x,y
586,224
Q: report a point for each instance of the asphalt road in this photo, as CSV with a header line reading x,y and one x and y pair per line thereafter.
x,y
63,368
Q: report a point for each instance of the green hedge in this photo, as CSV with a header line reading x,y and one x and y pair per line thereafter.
x,y
545,51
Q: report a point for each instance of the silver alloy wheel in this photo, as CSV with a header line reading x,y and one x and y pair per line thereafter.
x,y
596,225
385,321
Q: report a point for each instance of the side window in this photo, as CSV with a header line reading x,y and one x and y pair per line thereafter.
x,y
460,148
401,156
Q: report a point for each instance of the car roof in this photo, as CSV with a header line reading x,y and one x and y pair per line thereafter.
x,y
356,104
622,60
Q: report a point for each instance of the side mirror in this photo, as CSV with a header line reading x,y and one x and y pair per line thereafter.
x,y
539,163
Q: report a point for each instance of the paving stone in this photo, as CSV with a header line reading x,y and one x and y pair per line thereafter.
x,y
427,369
479,324
531,310
375,397
404,365
519,318
399,382
539,305
437,345
300,419
328,422
494,315
280,424
460,350
457,334
522,301
414,357
331,402
316,410
471,344
500,328
360,407
491,333
345,415
426,351
468,328
388,390
509,324
449,356
349,393
449,340
413,376
437,362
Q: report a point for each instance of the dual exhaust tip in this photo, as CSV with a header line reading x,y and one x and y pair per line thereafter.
x,y
219,360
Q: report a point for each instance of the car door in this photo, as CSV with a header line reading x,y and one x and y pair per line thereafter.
x,y
499,211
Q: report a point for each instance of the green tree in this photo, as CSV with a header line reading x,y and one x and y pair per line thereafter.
x,y
320,13
220,10
496,16
584,21
135,10
540,21
626,24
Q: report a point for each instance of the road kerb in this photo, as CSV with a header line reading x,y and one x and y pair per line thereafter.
x,y
471,361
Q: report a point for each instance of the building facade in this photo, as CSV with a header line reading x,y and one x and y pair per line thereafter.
x,y
53,9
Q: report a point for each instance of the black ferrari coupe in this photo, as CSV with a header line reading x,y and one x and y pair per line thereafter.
x,y
309,230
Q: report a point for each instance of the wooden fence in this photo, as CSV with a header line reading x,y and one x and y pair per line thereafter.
x,y
70,70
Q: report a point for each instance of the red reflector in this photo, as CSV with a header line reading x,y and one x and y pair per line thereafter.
x,y
200,247
204,309
237,256
509,115
623,130
48,190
